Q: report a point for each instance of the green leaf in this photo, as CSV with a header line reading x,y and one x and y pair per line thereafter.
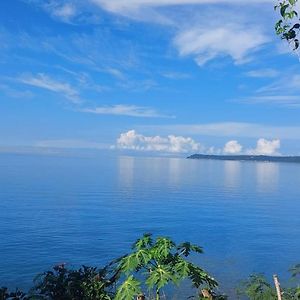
x,y
292,2
283,9
129,263
162,248
144,242
199,277
143,257
129,289
186,248
182,268
159,277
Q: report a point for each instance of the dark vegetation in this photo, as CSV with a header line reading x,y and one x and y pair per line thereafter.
x,y
292,159
288,25
150,271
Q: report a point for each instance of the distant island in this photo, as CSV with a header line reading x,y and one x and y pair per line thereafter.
x,y
291,159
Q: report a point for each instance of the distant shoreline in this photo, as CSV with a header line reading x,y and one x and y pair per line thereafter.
x,y
266,158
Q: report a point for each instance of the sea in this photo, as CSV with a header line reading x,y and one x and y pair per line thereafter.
x,y
89,209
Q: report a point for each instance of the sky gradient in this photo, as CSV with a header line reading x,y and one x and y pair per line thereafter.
x,y
168,76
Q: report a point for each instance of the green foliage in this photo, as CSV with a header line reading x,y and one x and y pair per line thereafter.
x,y
17,295
82,284
159,263
288,25
129,289
256,288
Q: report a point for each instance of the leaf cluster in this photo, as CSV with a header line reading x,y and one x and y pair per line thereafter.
x,y
288,26
157,263
257,287
84,283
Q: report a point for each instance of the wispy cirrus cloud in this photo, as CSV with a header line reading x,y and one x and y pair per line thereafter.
x,y
14,92
121,5
45,82
283,91
176,75
263,73
70,144
125,110
231,40
289,101
230,33
64,11
228,129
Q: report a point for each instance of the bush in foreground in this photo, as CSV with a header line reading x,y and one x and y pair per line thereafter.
x,y
152,269
152,266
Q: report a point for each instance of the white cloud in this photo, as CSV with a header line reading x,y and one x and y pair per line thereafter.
x,y
228,39
47,83
120,5
263,73
15,93
232,147
266,147
125,110
131,140
176,75
229,129
65,12
291,101
235,30
283,91
70,144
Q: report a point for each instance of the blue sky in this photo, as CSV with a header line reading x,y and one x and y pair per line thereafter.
x,y
164,76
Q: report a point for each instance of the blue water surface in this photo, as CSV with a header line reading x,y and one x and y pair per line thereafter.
x,y
88,210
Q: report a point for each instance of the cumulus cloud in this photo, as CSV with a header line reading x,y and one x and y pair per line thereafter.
x,y
132,140
232,147
266,147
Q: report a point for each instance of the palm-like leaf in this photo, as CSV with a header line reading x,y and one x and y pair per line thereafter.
x,y
159,277
144,242
186,248
128,290
162,248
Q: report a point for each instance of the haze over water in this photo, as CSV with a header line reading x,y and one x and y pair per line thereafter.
x,y
88,210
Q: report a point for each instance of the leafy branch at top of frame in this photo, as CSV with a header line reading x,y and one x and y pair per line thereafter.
x,y
288,26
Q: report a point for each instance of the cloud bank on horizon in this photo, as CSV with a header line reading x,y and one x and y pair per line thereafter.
x,y
131,140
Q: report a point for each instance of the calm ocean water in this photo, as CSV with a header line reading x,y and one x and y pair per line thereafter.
x,y
89,210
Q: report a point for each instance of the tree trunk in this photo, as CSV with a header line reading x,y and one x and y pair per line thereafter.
x,y
206,294
277,286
